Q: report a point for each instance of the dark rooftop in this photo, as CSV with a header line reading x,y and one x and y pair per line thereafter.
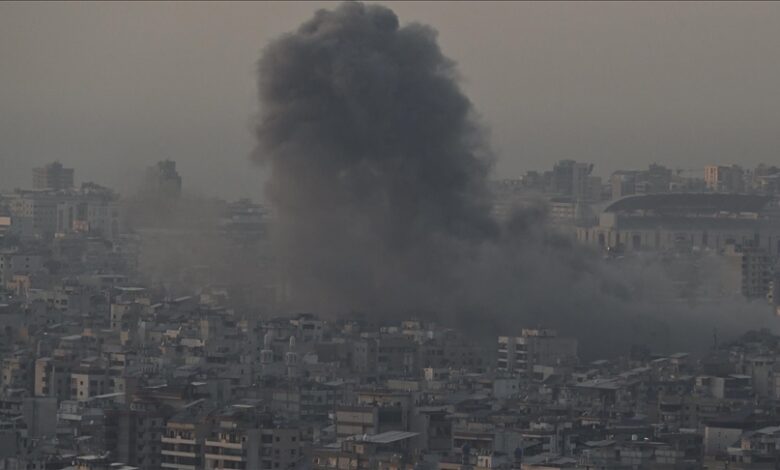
x,y
690,202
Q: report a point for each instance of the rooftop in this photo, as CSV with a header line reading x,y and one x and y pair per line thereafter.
x,y
690,202
386,437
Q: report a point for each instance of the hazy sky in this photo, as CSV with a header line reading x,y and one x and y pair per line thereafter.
x,y
109,88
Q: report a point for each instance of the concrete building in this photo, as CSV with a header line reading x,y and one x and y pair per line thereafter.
x,y
103,217
88,383
13,263
356,420
32,213
53,176
751,270
391,355
483,439
756,449
766,179
727,179
40,415
183,439
93,209
562,210
305,401
571,178
622,183
41,214
239,438
389,450
570,212
52,378
375,411
163,181
139,431
678,220
719,436
17,372
656,179
519,354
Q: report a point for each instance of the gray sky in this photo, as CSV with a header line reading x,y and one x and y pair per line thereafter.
x,y
109,88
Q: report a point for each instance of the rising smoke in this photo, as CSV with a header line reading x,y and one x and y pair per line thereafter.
x,y
379,172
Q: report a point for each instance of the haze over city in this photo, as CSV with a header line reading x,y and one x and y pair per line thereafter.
x,y
389,236
115,86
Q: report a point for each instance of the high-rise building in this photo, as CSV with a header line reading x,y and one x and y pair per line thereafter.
x,y
582,183
623,183
53,176
535,347
570,178
163,181
33,213
751,269
724,178
563,177
656,179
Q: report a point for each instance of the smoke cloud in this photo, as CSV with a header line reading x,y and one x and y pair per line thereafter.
x,y
379,170
379,182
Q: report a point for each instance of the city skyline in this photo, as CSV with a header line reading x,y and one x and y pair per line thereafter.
x,y
618,85
402,236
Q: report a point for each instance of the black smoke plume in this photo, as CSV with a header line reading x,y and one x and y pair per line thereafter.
x,y
379,172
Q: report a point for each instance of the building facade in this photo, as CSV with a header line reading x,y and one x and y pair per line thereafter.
x,y
657,222
519,354
53,176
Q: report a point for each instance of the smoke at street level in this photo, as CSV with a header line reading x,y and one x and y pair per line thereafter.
x,y
379,171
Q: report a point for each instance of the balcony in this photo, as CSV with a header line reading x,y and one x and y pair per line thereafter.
x,y
226,458
225,444
177,440
178,466
178,453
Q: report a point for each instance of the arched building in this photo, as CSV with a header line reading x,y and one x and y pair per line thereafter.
x,y
673,220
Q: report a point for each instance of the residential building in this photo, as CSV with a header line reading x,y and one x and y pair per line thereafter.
x,y
53,176
163,181
726,179
519,354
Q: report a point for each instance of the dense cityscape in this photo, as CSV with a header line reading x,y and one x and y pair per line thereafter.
x,y
110,363
282,236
